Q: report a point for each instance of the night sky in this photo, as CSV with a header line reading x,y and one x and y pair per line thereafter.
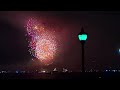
x,y
101,48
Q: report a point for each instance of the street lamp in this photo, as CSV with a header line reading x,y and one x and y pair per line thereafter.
x,y
82,36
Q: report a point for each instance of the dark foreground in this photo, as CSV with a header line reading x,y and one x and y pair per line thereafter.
x,y
61,76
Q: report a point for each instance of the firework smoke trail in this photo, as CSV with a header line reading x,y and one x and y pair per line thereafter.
x,y
42,44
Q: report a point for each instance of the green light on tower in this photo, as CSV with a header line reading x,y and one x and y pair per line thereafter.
x,y
82,37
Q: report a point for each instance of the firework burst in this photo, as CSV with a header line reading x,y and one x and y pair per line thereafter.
x,y
42,43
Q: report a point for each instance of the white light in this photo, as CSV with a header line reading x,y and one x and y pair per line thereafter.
x,y
43,71
16,71
113,70
119,50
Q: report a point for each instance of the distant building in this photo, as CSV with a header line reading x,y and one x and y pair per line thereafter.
x,y
55,70
65,70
